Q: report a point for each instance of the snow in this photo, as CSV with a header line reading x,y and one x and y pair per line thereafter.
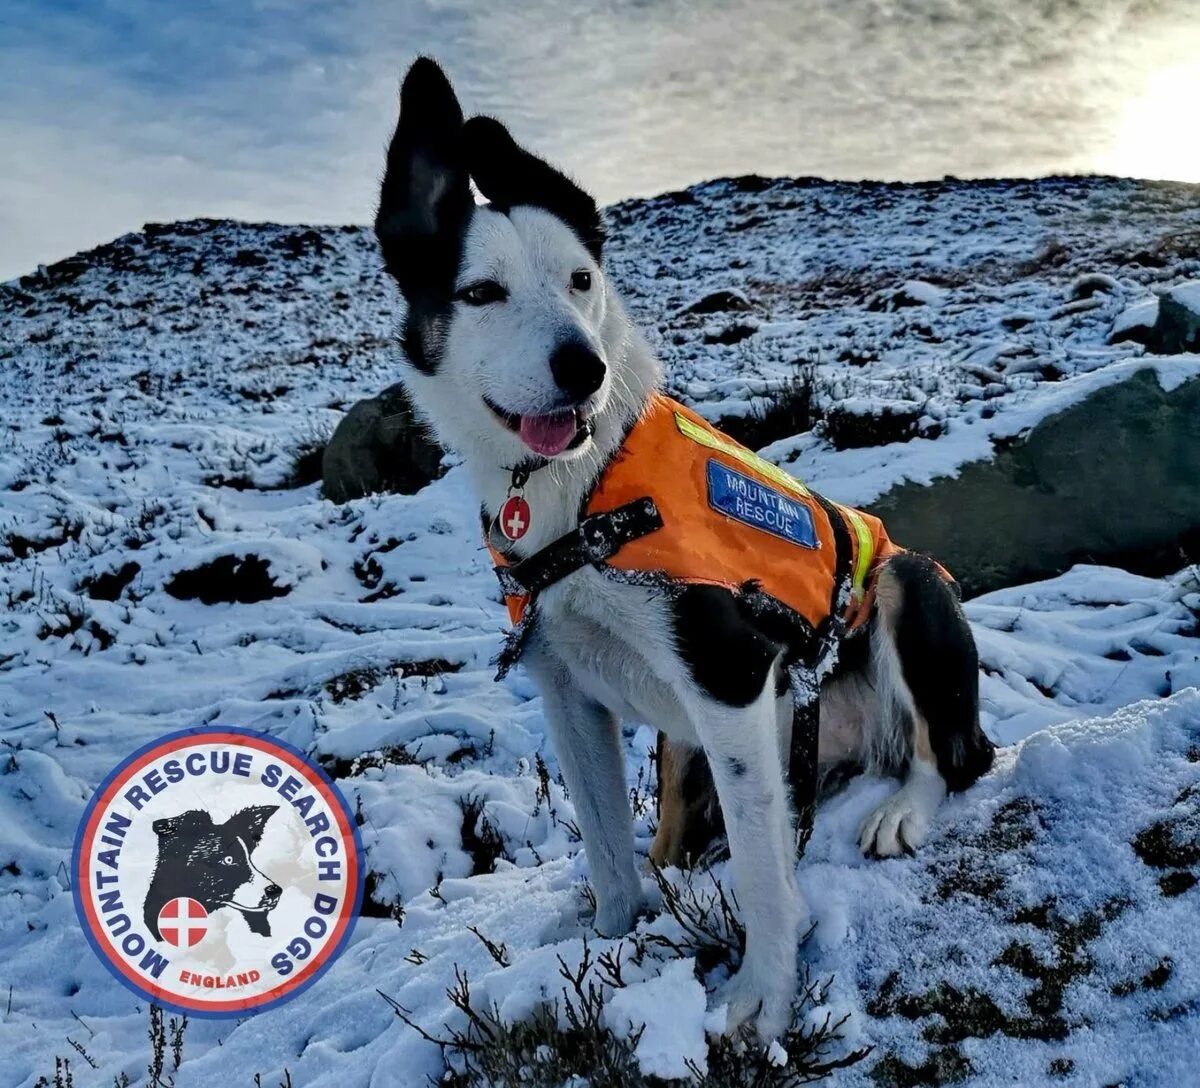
x,y
1186,295
1096,784
922,293
669,1011
1141,315
153,398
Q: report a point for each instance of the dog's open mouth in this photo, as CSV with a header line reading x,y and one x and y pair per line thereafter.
x,y
547,435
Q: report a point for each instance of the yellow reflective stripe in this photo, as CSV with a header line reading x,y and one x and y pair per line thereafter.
x,y
717,442
866,549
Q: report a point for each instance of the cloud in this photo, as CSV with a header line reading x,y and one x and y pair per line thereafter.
x,y
114,113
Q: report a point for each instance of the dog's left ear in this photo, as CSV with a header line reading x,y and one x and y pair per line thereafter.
x,y
248,823
425,200
508,175
192,822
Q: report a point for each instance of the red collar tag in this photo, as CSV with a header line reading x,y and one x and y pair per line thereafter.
x,y
515,517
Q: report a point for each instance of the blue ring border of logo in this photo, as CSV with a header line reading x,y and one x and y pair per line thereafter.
x,y
157,999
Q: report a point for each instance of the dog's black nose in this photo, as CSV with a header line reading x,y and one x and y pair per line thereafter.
x,y
274,891
578,371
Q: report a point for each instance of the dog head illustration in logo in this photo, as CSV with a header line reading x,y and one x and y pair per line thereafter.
x,y
213,865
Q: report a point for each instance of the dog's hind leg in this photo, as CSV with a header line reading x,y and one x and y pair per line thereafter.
x,y
690,826
925,670
587,743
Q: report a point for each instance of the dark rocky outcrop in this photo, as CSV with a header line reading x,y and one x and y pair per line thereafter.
x,y
380,445
1136,323
1113,479
731,334
1177,328
717,302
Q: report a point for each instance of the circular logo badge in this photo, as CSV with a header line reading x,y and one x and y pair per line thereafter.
x,y
217,872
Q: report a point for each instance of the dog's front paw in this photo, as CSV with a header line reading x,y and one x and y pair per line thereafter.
x,y
764,997
902,822
615,916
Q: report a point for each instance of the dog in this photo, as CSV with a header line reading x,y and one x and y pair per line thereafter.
x,y
518,353
212,864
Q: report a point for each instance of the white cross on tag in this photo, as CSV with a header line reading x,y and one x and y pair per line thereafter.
x,y
515,517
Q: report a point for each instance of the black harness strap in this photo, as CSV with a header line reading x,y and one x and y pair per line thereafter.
x,y
595,539
843,563
805,682
802,762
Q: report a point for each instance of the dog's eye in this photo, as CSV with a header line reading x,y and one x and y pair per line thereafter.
x,y
581,280
227,859
482,293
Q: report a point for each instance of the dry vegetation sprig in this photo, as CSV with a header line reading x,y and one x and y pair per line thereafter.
x,y
165,1036
166,1048
807,1046
712,931
562,1039
567,1037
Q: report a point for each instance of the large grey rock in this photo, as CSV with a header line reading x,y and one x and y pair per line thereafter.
x,y
1113,479
1178,326
380,445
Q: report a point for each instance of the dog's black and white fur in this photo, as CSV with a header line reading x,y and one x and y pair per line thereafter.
x,y
213,864
509,316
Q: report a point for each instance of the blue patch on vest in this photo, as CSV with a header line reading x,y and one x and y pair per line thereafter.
x,y
755,504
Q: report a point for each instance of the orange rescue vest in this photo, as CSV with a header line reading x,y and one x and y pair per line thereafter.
x,y
682,503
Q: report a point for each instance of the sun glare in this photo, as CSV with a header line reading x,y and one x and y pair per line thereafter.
x,y
1155,137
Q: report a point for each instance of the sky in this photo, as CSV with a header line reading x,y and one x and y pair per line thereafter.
x,y
114,113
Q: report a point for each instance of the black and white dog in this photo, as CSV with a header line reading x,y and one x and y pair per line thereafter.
x,y
213,864
516,349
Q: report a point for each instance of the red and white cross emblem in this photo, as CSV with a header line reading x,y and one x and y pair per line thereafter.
x,y
183,922
515,517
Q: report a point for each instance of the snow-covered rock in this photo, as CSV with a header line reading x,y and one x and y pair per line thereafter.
x,y
1112,473
1178,325
1091,283
911,293
717,302
1135,322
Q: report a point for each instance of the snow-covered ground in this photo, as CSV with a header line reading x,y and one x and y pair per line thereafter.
x,y
154,396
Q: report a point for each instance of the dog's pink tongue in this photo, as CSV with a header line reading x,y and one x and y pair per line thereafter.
x,y
548,435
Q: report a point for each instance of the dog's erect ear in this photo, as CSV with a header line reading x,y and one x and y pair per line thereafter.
x,y
509,175
425,199
248,823
193,821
